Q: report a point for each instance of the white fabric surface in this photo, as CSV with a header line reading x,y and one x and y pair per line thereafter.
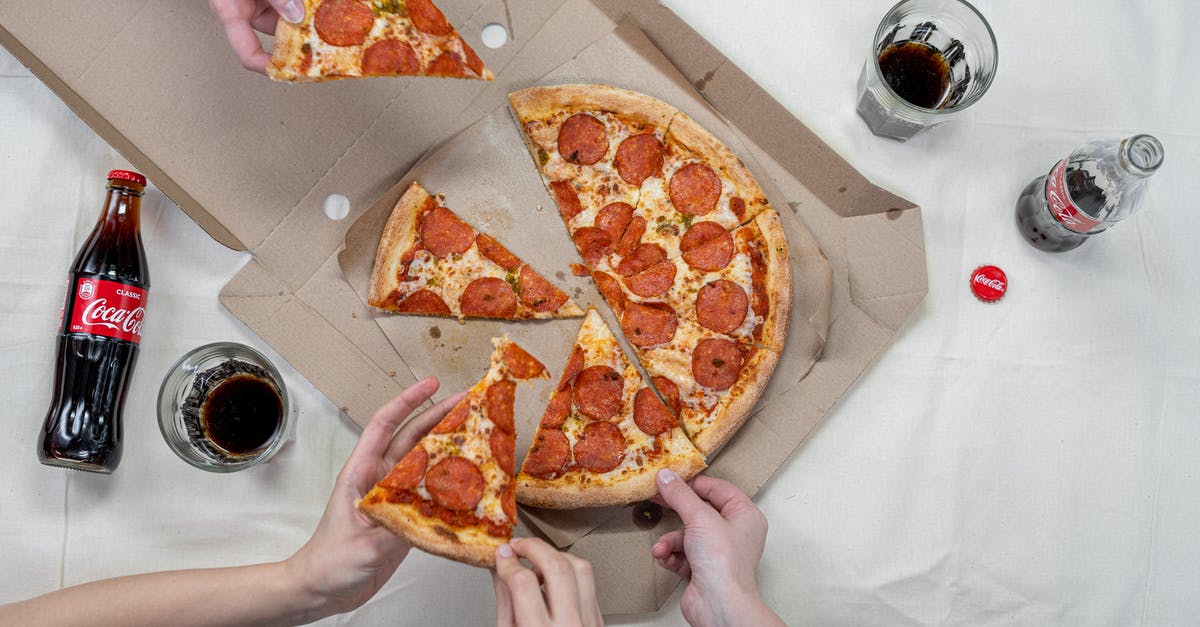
x,y
1029,462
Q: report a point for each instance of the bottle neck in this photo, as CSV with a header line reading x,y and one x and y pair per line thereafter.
x,y
122,205
1140,155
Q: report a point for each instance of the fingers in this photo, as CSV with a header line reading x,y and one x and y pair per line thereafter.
x,y
585,583
245,43
669,543
680,497
416,428
721,494
377,435
504,603
290,10
558,573
678,564
525,592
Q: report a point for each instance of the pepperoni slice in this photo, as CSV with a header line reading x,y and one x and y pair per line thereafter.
x,y
652,281
571,370
721,306
488,297
343,22
639,157
568,200
492,249
428,18
558,409
632,237
758,281
669,392
597,392
649,325
473,60
695,189
503,444
521,365
614,218
601,447
537,293
640,258
650,415
548,455
610,290
423,302
707,246
447,64
578,269
390,57
444,233
407,474
455,483
508,501
455,418
500,396
593,243
716,363
582,139
738,207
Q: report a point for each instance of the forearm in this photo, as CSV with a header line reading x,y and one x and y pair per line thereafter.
x,y
262,594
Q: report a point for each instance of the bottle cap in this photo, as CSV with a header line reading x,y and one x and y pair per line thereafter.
x,y
126,175
989,283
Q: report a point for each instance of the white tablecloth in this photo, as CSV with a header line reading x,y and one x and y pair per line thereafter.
x,y
1029,462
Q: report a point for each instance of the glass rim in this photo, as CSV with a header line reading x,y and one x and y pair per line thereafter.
x,y
251,460
883,23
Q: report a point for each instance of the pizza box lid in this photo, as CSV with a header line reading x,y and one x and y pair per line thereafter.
x,y
257,181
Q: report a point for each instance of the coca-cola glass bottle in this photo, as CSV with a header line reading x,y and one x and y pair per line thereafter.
x,y
1099,184
99,335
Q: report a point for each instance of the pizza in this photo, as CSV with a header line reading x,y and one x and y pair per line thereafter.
x,y
679,239
604,434
454,493
356,38
430,262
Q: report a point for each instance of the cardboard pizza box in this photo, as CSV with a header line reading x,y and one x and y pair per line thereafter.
x,y
257,180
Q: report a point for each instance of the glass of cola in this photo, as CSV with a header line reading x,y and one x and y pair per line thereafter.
x,y
929,60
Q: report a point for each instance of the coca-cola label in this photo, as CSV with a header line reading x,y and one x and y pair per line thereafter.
x,y
1060,202
108,308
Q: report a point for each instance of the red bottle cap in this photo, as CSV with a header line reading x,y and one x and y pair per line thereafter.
x,y
126,175
989,283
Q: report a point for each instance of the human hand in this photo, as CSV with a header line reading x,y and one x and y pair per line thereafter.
x,y
569,597
240,18
349,557
717,551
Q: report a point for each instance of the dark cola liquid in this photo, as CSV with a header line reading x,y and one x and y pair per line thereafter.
x,y
241,414
917,72
1037,222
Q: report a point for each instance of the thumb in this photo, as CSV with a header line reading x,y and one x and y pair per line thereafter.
x,y
290,10
680,497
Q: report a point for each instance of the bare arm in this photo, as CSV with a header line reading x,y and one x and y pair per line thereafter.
x,y
345,562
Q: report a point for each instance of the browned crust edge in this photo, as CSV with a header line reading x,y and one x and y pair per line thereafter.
x,y
778,280
558,494
420,531
757,374
399,234
541,103
686,131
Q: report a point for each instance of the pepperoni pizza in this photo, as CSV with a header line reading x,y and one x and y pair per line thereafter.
x,y
453,494
604,434
354,38
431,262
680,241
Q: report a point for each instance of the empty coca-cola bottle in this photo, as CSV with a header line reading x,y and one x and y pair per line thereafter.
x,y
99,335
1099,184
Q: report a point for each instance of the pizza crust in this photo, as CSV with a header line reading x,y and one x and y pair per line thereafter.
x,y
543,103
755,376
778,280
432,535
560,494
399,234
690,134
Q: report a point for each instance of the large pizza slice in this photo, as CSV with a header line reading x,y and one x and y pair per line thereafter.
x,y
604,434
431,262
354,38
453,494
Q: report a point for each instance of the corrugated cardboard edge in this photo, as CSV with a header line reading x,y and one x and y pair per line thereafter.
x,y
119,142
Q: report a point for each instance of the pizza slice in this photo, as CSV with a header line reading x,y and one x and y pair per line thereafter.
x,y
431,262
356,38
453,494
604,434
